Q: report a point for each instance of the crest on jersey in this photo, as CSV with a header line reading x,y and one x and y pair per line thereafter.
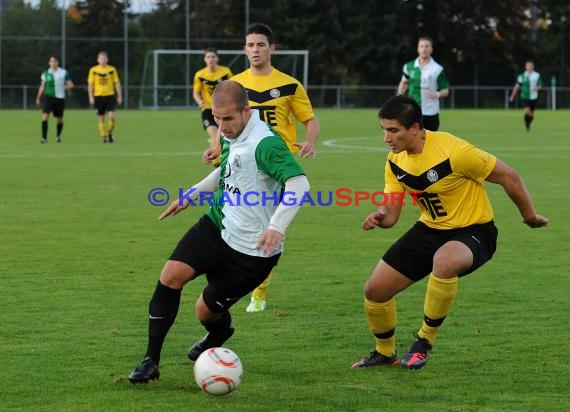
x,y
236,162
432,176
275,93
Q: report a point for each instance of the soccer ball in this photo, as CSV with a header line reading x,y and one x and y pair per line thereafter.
x,y
218,371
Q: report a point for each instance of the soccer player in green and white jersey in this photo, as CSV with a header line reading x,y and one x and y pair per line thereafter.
x,y
529,83
240,239
425,82
54,82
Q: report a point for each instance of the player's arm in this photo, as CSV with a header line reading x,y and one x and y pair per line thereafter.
x,y
119,92
90,92
214,150
312,130
513,185
271,238
385,217
514,92
402,86
198,99
41,90
208,185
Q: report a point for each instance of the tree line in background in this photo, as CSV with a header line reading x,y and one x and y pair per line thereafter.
x,y
365,42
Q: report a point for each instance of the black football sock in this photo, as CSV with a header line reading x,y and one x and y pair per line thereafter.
x,y
162,311
44,129
219,328
59,129
527,120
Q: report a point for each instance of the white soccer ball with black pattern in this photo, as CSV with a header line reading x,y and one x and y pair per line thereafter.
x,y
218,371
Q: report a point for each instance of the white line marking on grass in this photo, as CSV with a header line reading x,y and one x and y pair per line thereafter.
x,y
115,154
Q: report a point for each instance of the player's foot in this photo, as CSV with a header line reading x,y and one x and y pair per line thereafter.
x,y
256,305
44,141
111,140
146,371
418,353
58,139
377,359
105,140
207,342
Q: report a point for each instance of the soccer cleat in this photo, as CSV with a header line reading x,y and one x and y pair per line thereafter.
x,y
58,139
146,371
44,141
208,342
376,359
111,140
418,353
256,305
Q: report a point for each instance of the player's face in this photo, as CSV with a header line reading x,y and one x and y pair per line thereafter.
x,y
53,63
211,60
424,49
529,66
102,59
230,120
258,50
398,138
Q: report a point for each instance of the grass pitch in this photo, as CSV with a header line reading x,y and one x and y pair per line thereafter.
x,y
82,249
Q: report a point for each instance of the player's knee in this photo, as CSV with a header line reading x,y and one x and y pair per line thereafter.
x,y
176,274
375,293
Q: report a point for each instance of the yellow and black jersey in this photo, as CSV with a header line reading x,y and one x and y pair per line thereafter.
x,y
278,97
103,80
447,179
205,81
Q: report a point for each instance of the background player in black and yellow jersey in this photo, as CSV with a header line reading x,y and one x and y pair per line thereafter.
x,y
279,98
105,93
205,81
454,235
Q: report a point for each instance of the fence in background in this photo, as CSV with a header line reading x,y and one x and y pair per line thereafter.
x,y
335,96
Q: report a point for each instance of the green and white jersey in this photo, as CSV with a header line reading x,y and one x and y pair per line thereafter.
x,y
55,82
420,80
254,168
528,82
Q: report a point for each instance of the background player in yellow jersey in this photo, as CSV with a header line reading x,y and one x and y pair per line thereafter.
x,y
205,81
454,235
278,97
105,93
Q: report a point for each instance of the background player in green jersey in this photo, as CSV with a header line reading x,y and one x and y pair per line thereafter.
x,y
425,81
235,244
54,82
529,83
454,235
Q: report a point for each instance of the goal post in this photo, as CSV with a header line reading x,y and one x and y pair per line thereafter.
x,y
168,74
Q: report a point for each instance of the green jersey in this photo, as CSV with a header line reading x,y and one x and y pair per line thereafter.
x,y
529,83
420,80
55,82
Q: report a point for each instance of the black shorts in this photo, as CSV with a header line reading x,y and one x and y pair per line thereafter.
x,y
105,104
412,254
431,122
208,119
231,275
53,104
531,104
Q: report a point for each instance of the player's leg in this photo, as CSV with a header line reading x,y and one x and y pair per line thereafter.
x,y
226,286
111,107
58,114
527,114
211,127
380,309
46,109
101,108
258,301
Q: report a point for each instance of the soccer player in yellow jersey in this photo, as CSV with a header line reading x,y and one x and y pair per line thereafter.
x,y
105,93
205,81
278,97
455,233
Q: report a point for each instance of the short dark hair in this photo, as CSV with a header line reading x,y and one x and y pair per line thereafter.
x,y
404,109
261,28
426,38
210,50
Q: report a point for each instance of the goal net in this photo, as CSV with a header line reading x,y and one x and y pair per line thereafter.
x,y
168,74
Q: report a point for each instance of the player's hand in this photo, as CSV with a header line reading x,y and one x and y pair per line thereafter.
x,y
210,155
536,221
38,102
174,208
119,100
373,219
91,101
269,241
306,149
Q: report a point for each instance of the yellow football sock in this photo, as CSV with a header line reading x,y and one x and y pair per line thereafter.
x,y
440,295
111,125
102,130
381,319
260,292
